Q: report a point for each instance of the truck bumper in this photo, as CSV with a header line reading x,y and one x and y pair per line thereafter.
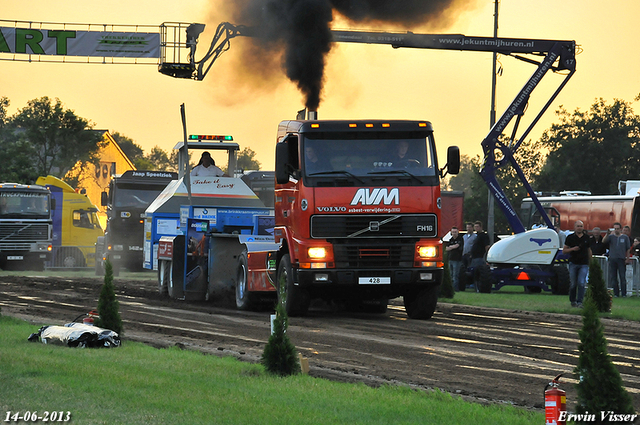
x,y
374,283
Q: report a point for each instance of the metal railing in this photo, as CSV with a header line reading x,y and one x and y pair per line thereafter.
x,y
633,274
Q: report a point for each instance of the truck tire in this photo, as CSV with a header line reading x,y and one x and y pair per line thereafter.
x,y
244,299
172,290
561,282
421,303
297,301
164,269
483,279
70,258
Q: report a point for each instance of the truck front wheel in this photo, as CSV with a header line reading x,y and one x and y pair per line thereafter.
x,y
296,299
421,303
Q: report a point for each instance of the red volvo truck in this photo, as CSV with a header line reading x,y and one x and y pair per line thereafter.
x,y
357,210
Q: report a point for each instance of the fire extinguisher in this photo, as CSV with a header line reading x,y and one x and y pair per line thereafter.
x,y
90,317
555,401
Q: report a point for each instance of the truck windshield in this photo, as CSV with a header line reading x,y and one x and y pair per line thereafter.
x,y
139,197
24,204
409,158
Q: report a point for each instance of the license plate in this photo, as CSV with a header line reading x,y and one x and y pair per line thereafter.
x,y
374,280
15,257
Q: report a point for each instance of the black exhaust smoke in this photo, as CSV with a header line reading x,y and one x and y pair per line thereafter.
x,y
300,30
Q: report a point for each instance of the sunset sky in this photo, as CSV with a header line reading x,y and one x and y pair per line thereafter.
x,y
449,88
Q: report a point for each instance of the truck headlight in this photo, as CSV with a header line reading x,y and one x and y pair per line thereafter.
x,y
427,251
317,253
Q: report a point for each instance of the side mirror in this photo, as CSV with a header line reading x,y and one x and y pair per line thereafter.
x,y
282,163
453,160
287,159
104,199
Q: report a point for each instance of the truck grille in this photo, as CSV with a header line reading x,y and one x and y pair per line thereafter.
x,y
374,226
15,246
24,232
374,256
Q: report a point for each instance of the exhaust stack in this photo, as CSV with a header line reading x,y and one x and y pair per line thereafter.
x,y
302,115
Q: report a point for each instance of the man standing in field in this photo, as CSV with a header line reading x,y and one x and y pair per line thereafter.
x,y
480,246
619,245
454,250
468,239
578,247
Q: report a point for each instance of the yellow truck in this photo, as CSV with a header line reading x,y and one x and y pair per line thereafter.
x,y
75,225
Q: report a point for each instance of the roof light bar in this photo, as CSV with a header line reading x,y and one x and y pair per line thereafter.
x,y
210,137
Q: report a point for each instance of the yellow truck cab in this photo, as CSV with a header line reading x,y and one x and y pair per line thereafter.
x,y
75,225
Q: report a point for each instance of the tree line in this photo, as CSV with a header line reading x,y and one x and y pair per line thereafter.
x,y
588,150
46,138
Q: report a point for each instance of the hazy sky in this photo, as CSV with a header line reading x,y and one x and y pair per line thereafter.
x,y
449,88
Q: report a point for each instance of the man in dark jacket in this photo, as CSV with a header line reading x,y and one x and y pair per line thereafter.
x,y
578,247
454,251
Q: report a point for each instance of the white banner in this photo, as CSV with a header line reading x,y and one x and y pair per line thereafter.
x,y
79,43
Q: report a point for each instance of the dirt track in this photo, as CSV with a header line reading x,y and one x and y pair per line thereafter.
x,y
480,353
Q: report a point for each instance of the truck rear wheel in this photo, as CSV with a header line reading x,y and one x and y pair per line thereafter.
x,y
172,290
421,303
296,302
164,269
244,298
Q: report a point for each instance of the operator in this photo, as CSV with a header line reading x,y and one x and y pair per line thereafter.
x,y
401,156
312,161
206,167
578,247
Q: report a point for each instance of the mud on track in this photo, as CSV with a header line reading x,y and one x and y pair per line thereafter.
x,y
479,353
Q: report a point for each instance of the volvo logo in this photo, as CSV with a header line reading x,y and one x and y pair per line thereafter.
x,y
374,226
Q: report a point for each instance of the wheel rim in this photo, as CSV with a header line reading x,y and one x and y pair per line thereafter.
x,y
69,261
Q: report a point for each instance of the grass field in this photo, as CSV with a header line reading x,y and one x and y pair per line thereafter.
x,y
514,298
138,384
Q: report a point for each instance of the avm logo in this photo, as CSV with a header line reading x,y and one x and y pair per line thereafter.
x,y
376,196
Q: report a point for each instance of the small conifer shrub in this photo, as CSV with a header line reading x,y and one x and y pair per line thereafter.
x,y
279,356
600,387
108,306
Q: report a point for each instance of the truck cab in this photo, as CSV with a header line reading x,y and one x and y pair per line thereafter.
x,y
75,225
357,210
25,226
126,200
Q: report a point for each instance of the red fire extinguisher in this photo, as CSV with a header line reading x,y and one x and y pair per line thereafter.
x,y
90,317
555,402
